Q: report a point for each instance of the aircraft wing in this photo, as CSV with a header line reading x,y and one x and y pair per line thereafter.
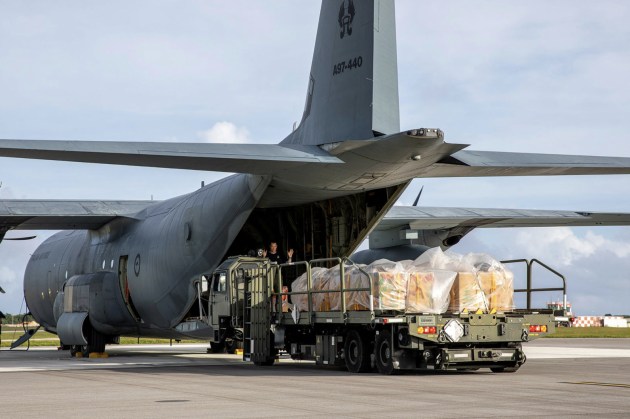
x,y
444,218
402,223
438,158
469,163
237,158
64,215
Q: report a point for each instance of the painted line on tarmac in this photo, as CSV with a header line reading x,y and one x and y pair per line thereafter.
x,y
548,352
592,383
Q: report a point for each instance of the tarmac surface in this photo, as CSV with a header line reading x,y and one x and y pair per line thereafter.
x,y
562,378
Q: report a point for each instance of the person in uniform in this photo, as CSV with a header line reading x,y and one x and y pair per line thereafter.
x,y
274,256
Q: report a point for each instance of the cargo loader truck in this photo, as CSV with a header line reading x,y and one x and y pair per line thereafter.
x,y
249,305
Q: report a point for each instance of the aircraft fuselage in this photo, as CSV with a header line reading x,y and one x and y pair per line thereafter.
x,y
153,262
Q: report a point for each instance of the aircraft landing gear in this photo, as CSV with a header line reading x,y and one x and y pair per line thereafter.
x,y
96,344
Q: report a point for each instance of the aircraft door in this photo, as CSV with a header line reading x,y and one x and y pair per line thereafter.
x,y
219,300
124,286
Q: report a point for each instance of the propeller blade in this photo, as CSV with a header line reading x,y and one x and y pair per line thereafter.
x,y
415,203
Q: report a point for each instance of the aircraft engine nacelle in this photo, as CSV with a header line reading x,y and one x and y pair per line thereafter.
x,y
406,244
394,253
444,238
93,301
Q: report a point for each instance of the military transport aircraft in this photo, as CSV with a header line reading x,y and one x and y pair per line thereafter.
x,y
341,170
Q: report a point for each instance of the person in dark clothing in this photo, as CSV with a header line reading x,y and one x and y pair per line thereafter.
x,y
274,256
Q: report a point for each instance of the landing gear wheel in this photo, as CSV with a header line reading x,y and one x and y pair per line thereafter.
x,y
383,352
75,349
356,353
96,343
231,345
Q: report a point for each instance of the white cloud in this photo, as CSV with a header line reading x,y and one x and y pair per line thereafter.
x,y
595,265
8,277
559,244
565,247
225,132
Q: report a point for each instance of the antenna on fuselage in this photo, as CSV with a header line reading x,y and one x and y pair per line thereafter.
x,y
415,203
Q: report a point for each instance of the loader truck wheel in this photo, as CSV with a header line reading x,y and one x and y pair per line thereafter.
x,y
383,353
356,352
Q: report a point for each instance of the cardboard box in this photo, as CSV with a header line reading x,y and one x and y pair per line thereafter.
x,y
392,290
498,289
420,292
466,294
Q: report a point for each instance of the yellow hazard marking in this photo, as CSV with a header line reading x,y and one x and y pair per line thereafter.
x,y
592,383
98,355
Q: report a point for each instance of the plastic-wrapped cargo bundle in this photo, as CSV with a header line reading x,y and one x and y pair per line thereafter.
x,y
429,292
355,278
329,281
498,287
495,280
482,282
390,282
301,285
436,259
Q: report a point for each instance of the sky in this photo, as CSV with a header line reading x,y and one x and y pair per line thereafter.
x,y
536,76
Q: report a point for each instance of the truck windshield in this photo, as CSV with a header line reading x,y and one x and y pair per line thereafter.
x,y
219,283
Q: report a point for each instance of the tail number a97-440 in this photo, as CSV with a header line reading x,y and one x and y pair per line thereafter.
x,y
351,64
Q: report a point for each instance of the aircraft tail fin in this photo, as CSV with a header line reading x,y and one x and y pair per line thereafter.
x,y
353,85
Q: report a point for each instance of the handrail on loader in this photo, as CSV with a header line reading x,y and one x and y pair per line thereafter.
x,y
529,290
341,262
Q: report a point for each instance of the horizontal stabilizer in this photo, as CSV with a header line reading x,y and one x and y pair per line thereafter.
x,y
469,163
259,159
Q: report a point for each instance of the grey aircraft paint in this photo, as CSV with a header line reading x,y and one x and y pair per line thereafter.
x,y
133,268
